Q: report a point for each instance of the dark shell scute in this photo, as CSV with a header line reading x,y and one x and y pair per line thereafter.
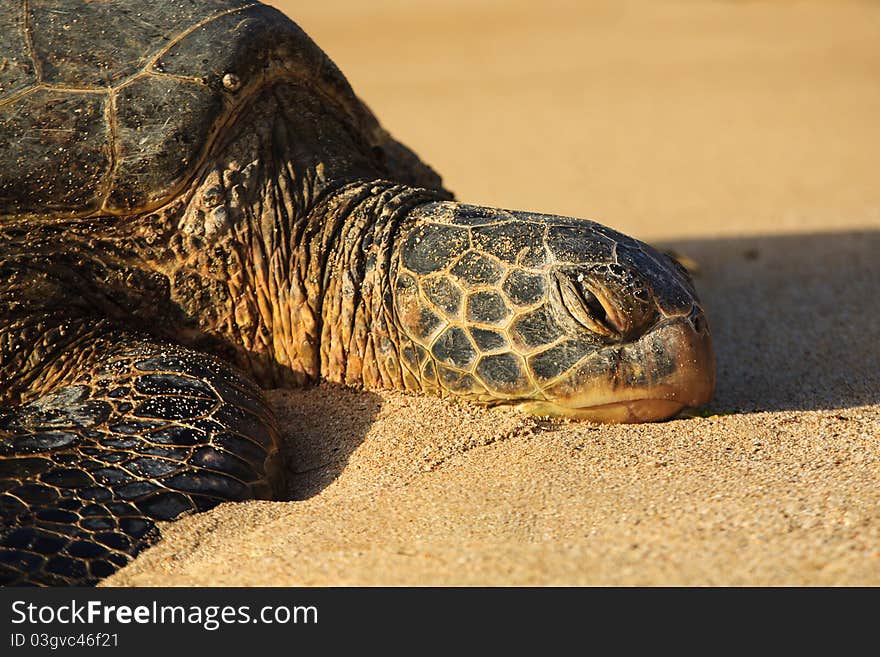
x,y
148,77
55,151
68,478
487,308
199,368
426,323
413,356
35,494
525,289
146,466
502,372
101,568
511,241
164,505
475,215
23,468
219,461
57,516
579,244
173,384
429,372
174,408
86,549
112,476
558,359
249,40
477,269
162,124
135,526
70,49
432,247
17,72
670,287
114,540
444,294
135,490
37,442
99,43
20,559
66,567
208,483
178,436
241,447
487,340
458,382
135,427
41,541
98,524
454,348
536,329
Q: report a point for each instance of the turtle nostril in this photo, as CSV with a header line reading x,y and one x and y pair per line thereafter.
x,y
586,306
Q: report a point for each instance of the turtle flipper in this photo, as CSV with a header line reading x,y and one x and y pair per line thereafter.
x,y
148,433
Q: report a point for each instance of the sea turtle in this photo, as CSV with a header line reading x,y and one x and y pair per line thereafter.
x,y
193,205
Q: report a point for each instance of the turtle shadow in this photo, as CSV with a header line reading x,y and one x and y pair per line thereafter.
x,y
321,426
795,319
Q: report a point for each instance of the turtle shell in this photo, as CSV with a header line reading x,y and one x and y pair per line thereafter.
x,y
110,107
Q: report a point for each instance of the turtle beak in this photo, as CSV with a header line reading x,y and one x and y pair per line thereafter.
x,y
669,368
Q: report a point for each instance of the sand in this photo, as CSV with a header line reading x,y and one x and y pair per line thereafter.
x,y
743,134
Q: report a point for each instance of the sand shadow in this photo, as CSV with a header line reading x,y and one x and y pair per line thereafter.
x,y
321,427
795,319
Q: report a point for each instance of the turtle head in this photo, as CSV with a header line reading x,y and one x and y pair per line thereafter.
x,y
554,315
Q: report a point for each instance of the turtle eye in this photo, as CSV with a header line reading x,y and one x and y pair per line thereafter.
x,y
585,305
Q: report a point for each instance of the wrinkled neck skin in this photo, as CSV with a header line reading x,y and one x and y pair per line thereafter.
x,y
274,259
277,260
358,228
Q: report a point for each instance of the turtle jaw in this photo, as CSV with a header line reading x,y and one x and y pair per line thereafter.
x,y
671,367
